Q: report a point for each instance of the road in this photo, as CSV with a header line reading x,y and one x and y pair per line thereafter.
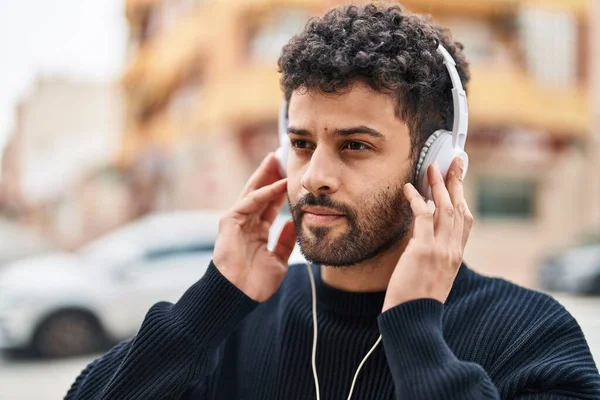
x,y
29,380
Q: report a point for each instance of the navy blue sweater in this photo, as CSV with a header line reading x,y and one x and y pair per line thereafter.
x,y
491,340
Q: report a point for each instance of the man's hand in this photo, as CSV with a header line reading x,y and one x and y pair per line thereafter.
x,y
429,265
241,253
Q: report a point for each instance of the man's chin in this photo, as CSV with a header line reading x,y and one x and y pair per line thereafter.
x,y
323,259
324,252
320,233
338,251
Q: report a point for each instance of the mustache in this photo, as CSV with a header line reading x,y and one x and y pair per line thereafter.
x,y
322,200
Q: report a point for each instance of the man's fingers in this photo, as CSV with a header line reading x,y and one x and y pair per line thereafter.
x,y
467,225
444,210
273,208
257,200
266,173
463,220
423,228
287,241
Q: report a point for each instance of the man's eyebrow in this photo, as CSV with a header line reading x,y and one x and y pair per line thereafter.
x,y
298,131
361,129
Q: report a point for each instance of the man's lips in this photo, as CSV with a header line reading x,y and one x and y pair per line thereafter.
x,y
321,211
320,215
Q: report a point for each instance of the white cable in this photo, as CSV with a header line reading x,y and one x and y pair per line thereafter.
x,y
315,329
314,347
360,366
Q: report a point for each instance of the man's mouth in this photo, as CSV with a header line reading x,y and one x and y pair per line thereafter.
x,y
320,215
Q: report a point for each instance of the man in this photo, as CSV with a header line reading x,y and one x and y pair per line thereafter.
x,y
366,88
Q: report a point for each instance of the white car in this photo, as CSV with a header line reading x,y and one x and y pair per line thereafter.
x,y
64,304
575,270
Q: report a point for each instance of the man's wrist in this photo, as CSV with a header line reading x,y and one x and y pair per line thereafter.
x,y
396,301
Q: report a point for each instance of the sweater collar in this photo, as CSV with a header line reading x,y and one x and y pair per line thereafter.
x,y
365,304
348,303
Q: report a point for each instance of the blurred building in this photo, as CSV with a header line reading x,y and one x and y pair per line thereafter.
x,y
594,139
202,92
56,171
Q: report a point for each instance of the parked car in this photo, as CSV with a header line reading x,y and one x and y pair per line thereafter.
x,y
64,304
575,270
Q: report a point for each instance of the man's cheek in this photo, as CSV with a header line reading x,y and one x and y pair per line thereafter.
x,y
293,192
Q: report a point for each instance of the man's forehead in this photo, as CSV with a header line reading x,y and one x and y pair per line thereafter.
x,y
358,106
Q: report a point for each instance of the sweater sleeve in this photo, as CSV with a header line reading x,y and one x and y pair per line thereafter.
x,y
552,360
548,360
175,347
421,363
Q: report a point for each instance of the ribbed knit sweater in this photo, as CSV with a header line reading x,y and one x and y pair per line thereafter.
x,y
490,340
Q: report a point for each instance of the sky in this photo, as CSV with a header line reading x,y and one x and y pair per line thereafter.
x,y
82,39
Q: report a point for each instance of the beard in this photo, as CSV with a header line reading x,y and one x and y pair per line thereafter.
x,y
375,225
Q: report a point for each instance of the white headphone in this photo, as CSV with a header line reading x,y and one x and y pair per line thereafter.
x,y
440,148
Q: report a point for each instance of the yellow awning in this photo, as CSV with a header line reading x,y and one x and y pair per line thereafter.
x,y
164,63
489,7
497,97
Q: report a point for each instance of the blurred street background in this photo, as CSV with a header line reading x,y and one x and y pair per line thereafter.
x,y
126,126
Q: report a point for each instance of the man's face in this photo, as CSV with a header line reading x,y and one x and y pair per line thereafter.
x,y
348,163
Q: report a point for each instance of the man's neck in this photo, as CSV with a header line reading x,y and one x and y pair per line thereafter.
x,y
369,276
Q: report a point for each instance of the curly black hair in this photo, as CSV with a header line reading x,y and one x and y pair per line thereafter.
x,y
391,50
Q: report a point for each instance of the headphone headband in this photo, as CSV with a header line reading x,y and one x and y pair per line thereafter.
x,y
459,100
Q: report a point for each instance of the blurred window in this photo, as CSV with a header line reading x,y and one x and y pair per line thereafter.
x,y
167,13
274,31
186,99
169,252
550,44
477,36
506,198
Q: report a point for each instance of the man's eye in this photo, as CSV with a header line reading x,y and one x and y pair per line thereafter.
x,y
356,146
300,144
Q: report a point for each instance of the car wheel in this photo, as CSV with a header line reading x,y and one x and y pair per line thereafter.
x,y
68,333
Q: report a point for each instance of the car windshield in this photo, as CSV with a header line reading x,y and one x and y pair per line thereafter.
x,y
120,245
155,233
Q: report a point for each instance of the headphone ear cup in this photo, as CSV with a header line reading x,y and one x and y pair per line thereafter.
x,y
437,150
424,161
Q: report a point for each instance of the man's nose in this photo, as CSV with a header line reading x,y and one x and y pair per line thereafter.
x,y
322,174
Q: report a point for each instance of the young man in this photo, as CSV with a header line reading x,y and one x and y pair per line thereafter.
x,y
366,88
